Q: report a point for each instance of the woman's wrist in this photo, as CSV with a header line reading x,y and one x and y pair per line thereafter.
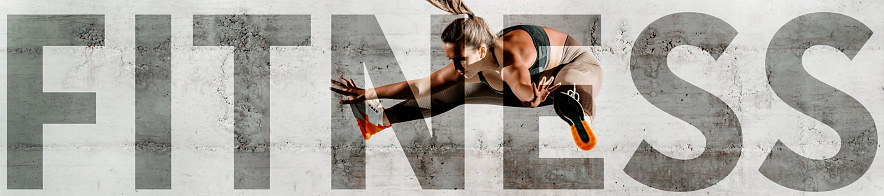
x,y
531,103
371,94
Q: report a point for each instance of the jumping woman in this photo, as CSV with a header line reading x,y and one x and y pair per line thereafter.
x,y
526,63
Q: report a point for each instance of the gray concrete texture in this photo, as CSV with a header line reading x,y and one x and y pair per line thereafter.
x,y
437,159
251,38
28,107
153,102
660,86
833,107
144,98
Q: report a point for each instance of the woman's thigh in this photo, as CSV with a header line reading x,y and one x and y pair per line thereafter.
x,y
583,76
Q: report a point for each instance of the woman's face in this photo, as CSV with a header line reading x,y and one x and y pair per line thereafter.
x,y
464,58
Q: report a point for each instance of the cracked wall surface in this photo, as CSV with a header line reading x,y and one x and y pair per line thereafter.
x,y
231,98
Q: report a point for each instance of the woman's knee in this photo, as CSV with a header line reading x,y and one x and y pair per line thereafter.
x,y
579,85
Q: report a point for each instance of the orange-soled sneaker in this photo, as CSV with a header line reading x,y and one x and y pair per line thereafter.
x,y
370,117
583,136
570,110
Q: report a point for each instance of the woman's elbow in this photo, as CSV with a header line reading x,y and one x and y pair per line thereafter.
x,y
529,104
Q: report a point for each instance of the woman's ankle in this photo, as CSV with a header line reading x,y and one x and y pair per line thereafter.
x,y
387,121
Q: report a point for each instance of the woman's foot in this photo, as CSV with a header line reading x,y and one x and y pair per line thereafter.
x,y
370,117
569,109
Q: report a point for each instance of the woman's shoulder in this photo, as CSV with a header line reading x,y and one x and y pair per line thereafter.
x,y
515,35
514,41
515,47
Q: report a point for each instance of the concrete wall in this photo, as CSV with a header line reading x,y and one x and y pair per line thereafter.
x,y
209,146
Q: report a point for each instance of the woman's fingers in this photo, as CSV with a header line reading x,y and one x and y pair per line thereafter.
x,y
345,82
347,101
352,101
347,88
339,84
342,92
535,87
554,87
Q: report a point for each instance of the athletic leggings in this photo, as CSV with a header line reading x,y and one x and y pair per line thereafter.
x,y
579,70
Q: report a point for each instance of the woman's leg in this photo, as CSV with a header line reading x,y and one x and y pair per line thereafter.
x,y
581,79
582,75
438,103
443,101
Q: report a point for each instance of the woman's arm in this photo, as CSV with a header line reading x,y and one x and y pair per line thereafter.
x,y
418,88
531,94
515,73
519,80
412,89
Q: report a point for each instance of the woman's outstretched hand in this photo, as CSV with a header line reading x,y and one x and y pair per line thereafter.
x,y
541,91
349,89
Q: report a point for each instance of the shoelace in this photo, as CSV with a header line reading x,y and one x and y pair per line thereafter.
x,y
573,93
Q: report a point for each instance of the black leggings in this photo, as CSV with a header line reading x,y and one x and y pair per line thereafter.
x,y
443,101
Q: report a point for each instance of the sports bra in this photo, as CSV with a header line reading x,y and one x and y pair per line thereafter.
x,y
541,43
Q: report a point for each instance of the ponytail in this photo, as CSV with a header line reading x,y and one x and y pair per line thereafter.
x,y
473,32
451,6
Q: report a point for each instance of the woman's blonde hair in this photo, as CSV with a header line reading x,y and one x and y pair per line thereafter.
x,y
471,31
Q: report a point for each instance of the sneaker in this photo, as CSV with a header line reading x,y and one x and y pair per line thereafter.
x,y
369,115
570,110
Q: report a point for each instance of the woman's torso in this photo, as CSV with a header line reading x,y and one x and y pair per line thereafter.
x,y
546,57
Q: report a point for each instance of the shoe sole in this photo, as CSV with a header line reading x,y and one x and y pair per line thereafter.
x,y
572,112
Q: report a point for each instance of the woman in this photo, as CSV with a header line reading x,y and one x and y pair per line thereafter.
x,y
520,63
